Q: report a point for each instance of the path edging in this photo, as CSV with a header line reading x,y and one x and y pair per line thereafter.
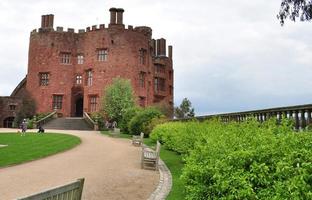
x,y
164,185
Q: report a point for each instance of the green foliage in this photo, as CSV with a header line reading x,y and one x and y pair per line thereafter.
x,y
99,118
39,116
185,110
139,123
246,160
30,123
127,116
117,99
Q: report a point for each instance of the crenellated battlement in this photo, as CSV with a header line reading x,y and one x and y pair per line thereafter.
x,y
74,65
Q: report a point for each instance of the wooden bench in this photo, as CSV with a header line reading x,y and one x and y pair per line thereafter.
x,y
150,158
71,191
137,140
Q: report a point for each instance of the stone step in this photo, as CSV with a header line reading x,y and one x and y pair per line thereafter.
x,y
72,123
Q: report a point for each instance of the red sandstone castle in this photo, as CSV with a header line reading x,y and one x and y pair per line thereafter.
x,y
68,71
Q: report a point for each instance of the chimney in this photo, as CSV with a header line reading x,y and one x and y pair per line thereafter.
x,y
51,20
170,52
119,15
162,47
47,21
112,15
158,47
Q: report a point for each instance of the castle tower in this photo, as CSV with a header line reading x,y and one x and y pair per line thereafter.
x,y
68,70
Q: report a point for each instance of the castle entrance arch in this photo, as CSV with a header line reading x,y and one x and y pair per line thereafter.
x,y
77,102
79,107
8,122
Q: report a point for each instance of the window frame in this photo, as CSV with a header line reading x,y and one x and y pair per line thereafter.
x,y
57,101
65,58
44,78
102,55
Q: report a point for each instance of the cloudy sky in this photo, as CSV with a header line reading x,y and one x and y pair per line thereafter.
x,y
228,55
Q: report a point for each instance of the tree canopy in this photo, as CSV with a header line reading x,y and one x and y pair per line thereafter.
x,y
185,110
294,9
118,98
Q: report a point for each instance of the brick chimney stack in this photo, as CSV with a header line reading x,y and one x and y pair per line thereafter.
x,y
47,21
113,12
119,15
170,52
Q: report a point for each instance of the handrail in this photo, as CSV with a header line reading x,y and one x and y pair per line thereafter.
x,y
44,119
300,114
90,121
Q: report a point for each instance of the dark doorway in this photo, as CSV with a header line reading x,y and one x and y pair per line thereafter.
x,y
79,107
8,122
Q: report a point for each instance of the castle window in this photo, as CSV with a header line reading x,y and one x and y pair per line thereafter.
x,y
57,102
89,77
80,59
142,79
65,58
159,84
102,54
44,79
12,107
78,79
142,56
92,103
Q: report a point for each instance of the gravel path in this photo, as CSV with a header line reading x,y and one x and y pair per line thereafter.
x,y
110,166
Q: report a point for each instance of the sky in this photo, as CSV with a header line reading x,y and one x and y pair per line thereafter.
x,y
228,56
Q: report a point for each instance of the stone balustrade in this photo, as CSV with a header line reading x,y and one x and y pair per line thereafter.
x,y
301,114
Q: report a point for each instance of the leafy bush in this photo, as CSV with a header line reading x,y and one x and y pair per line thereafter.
x,y
141,120
126,118
41,115
246,160
99,118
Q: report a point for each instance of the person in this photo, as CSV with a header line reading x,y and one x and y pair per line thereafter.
x,y
24,127
41,129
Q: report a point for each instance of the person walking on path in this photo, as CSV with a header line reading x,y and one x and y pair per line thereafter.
x,y
24,127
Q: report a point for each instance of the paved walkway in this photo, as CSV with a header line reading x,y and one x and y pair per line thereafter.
x,y
110,166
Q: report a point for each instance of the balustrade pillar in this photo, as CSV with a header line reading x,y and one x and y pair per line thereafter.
x,y
302,120
308,121
296,118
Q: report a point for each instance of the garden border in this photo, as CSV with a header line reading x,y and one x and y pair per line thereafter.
x,y
165,183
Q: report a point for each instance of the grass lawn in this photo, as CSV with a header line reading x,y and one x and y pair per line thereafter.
x,y
173,162
33,146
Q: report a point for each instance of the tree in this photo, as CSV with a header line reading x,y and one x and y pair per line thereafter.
x,y
117,99
294,9
185,110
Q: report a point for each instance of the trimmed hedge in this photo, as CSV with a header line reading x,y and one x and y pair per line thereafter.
x,y
246,160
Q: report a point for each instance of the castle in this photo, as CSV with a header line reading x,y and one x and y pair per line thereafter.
x,y
68,70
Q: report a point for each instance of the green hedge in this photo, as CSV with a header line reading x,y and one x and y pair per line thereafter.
x,y
241,160
140,122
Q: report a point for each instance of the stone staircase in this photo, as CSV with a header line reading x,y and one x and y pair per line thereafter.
x,y
68,123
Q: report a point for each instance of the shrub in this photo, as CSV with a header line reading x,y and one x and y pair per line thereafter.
x,y
246,160
127,116
99,118
142,119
